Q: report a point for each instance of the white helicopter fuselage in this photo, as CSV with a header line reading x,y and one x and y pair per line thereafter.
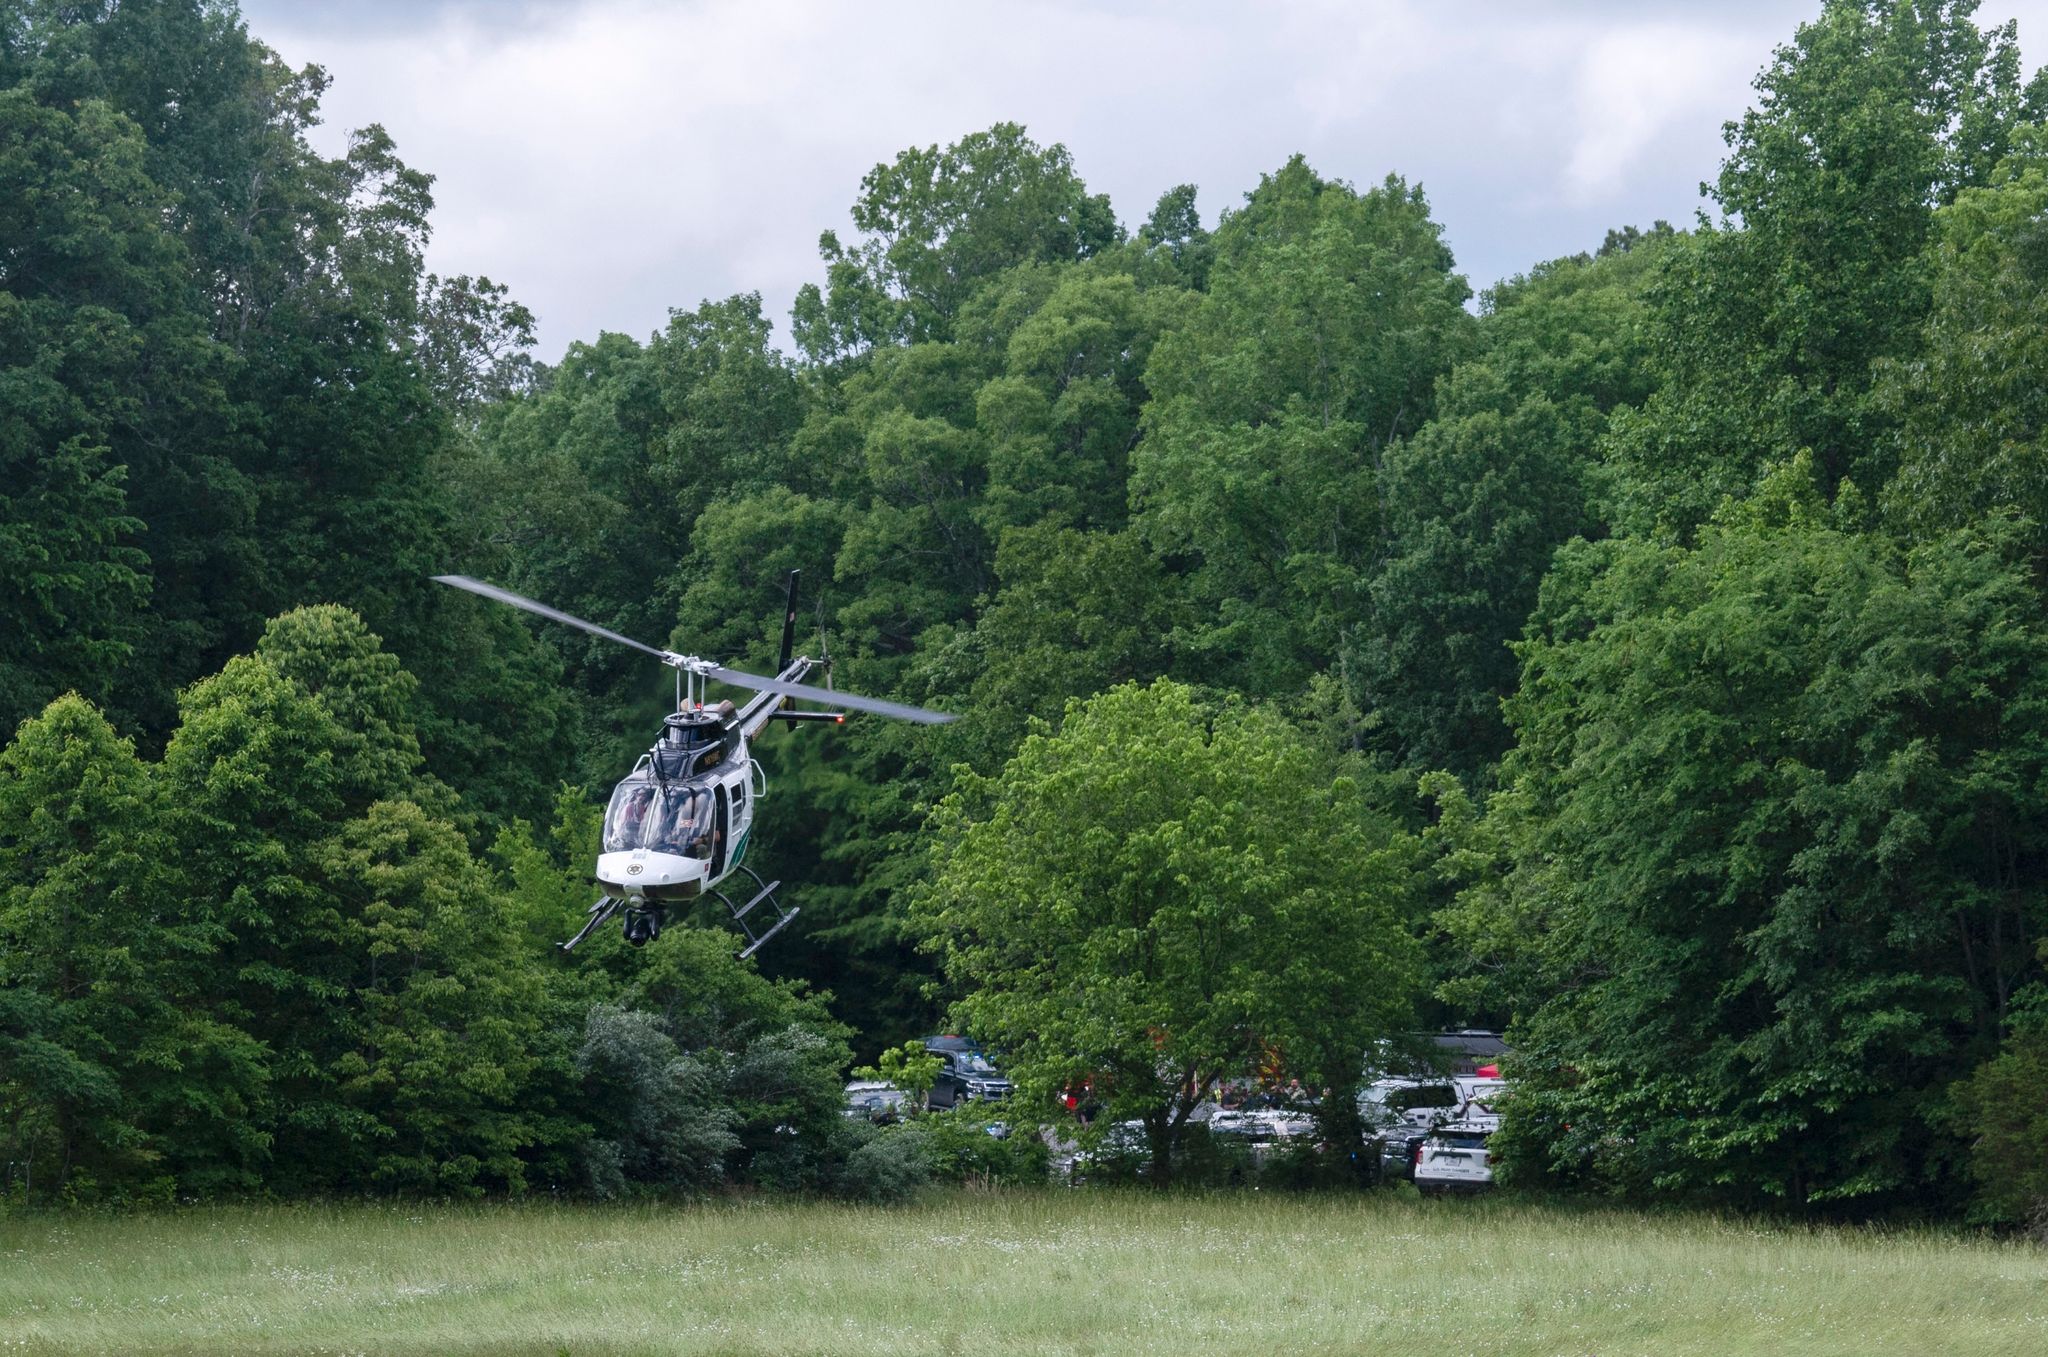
x,y
646,869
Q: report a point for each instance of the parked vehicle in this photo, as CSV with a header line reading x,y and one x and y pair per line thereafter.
x,y
876,1100
1400,1113
967,1075
1262,1123
1480,1101
1124,1148
1453,1158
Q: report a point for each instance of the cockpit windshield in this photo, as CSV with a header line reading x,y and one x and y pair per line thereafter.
x,y
661,819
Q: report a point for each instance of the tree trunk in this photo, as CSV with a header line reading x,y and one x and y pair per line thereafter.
x,y
1159,1130
1338,1125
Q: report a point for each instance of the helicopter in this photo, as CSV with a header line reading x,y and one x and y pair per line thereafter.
x,y
677,828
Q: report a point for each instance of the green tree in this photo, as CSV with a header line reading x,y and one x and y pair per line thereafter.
x,y
660,1121
732,404
1772,845
1877,112
256,361
333,656
474,343
89,282
935,224
450,1011
252,791
1162,895
2001,1113
1077,612
102,1058
1329,316
358,941
1175,243
1062,418
1479,498
1971,408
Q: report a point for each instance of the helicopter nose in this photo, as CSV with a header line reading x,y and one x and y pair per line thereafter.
x,y
650,874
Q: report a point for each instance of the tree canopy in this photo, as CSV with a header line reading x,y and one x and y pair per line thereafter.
x,y
1641,654
1158,897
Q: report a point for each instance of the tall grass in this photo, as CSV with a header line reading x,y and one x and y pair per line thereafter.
x,y
1085,1272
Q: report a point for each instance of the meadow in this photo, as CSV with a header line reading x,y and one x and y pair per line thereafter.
x,y
1052,1272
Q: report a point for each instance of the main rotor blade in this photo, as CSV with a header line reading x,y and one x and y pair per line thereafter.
x,y
552,614
738,678
831,698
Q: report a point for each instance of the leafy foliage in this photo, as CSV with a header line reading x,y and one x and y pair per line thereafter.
x,y
1158,896
1999,1110
1969,408
1695,585
1476,502
937,223
1329,316
1774,821
1770,321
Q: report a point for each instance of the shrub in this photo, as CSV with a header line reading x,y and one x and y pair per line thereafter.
x,y
890,1167
660,1118
963,1150
2002,1108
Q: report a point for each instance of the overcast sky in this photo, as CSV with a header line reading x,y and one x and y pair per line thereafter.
x,y
611,159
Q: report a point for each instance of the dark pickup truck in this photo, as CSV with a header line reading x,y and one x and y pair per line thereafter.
x,y
968,1075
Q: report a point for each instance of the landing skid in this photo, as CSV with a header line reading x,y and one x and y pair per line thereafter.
x,y
600,912
607,908
763,894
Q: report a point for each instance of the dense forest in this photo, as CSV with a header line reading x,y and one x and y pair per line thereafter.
x,y
1648,653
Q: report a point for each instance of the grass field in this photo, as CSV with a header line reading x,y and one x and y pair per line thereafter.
x,y
1056,1272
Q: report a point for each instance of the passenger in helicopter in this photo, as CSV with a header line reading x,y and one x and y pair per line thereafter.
x,y
627,829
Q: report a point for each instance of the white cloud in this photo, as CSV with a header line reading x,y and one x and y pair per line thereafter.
x,y
610,159
1635,87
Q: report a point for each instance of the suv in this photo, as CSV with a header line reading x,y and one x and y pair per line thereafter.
x,y
1453,1158
966,1076
1401,1112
